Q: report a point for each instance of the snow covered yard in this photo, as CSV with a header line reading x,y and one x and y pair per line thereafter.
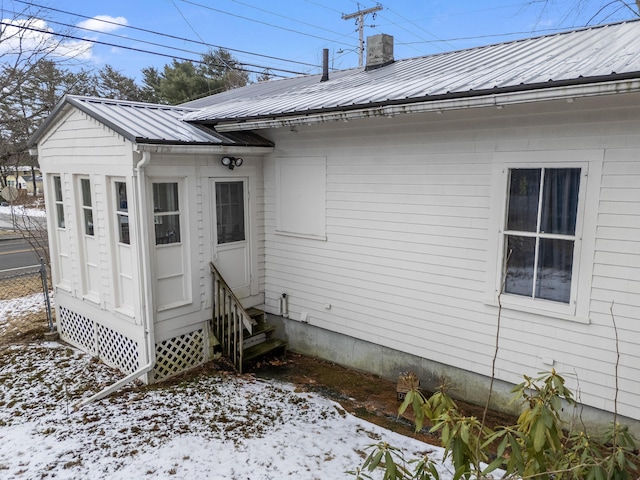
x,y
215,425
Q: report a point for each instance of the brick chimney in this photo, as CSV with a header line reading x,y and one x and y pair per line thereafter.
x,y
379,51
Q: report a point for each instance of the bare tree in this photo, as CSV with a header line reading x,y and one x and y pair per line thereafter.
x,y
589,12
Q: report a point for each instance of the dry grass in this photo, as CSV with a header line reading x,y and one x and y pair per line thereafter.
x,y
20,286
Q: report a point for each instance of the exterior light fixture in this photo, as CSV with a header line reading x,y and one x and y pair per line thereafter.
x,y
231,162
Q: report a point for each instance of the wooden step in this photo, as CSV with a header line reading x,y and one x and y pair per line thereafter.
x,y
260,328
271,345
259,316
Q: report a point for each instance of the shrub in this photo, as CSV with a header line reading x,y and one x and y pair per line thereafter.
x,y
537,446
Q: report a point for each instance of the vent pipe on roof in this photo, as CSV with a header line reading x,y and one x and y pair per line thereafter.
x,y
325,65
379,51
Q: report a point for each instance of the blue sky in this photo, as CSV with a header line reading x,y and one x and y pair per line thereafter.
x,y
288,35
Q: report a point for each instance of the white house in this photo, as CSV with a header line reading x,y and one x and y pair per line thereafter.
x,y
403,216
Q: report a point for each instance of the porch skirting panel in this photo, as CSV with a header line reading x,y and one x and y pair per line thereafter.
x,y
177,354
113,348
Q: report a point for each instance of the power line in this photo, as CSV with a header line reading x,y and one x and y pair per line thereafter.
x,y
359,16
416,25
167,35
73,37
260,22
285,17
162,46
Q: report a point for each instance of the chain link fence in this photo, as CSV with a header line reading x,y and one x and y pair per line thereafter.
x,y
25,303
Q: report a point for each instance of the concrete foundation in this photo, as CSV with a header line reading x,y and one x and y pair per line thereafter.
x,y
389,363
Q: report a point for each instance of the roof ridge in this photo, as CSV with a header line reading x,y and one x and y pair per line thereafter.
x,y
113,101
521,40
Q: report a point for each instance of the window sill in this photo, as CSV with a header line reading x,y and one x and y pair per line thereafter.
x,y
533,309
92,297
127,312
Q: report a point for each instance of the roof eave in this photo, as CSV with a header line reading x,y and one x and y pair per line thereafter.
x,y
211,149
581,87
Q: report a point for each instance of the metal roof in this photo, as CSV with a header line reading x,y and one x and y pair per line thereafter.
x,y
585,56
150,123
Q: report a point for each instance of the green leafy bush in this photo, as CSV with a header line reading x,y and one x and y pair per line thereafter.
x,y
537,446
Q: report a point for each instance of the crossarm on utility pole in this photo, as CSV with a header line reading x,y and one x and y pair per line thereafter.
x,y
360,16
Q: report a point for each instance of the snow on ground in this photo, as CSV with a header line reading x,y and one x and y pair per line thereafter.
x,y
18,307
20,210
214,426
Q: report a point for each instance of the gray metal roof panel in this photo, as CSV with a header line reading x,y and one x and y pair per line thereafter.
x,y
148,123
577,56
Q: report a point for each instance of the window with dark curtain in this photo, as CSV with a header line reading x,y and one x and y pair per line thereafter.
x,y
540,232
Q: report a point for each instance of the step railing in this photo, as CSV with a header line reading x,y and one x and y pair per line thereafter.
x,y
229,319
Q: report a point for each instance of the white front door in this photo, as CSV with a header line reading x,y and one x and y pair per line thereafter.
x,y
231,232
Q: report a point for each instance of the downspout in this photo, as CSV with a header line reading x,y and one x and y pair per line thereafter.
x,y
145,276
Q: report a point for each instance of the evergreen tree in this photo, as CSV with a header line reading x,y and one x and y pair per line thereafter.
x,y
181,81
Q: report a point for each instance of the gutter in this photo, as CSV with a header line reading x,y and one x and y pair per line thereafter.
x,y
148,320
478,99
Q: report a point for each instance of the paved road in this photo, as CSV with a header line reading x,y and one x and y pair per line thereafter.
x,y
15,252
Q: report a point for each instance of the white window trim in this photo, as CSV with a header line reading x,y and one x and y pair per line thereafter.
x,y
185,240
127,311
58,203
590,163
93,296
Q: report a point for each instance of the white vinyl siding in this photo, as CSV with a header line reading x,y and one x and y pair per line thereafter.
x,y
78,144
413,215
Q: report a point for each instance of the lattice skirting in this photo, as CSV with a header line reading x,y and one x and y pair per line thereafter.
x,y
178,354
78,330
110,346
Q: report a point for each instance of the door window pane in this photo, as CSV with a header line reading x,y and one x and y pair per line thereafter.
x,y
230,211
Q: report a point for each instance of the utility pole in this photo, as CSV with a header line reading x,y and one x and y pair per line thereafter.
x,y
360,21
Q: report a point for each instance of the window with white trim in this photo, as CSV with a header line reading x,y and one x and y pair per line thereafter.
x,y
58,201
87,207
122,212
166,213
540,233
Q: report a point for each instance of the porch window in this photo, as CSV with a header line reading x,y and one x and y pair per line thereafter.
x,y
540,233
59,204
166,213
230,211
122,212
87,207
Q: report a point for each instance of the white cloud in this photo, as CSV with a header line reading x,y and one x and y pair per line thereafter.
x,y
103,23
33,35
